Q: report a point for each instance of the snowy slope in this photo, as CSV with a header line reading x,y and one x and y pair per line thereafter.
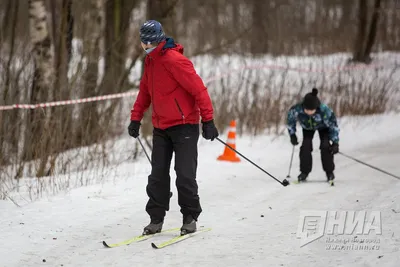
x,y
67,229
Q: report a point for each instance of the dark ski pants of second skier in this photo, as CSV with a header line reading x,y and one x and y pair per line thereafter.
x,y
307,147
181,139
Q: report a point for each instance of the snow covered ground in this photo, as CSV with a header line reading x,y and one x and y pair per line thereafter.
x,y
254,219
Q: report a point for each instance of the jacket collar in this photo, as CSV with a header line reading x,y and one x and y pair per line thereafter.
x,y
162,47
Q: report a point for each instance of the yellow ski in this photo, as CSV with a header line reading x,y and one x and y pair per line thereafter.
x,y
136,239
178,238
331,182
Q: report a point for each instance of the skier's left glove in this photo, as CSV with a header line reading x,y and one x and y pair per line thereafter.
x,y
210,132
293,140
335,148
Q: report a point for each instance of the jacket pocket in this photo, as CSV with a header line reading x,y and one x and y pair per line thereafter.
x,y
180,110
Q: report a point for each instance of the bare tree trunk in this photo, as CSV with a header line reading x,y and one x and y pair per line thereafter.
x,y
343,28
366,33
35,141
88,125
259,40
163,11
13,19
61,49
61,122
8,123
117,17
4,25
372,31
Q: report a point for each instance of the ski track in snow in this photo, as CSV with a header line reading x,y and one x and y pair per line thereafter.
x,y
254,219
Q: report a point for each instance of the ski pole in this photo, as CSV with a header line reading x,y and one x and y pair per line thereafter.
x,y
284,182
290,166
140,142
359,161
147,155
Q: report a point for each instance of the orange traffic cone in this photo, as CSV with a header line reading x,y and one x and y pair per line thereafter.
x,y
229,154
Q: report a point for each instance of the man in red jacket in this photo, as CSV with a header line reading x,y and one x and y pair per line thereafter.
x,y
178,97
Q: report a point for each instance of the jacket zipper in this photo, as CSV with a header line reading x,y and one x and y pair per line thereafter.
x,y
180,110
152,90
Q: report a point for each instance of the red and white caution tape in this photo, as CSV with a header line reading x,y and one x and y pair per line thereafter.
x,y
68,102
126,94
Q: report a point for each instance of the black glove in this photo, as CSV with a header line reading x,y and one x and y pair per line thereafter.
x,y
293,139
209,130
134,128
335,148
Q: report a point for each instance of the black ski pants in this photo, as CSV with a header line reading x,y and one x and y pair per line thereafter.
x,y
307,147
181,139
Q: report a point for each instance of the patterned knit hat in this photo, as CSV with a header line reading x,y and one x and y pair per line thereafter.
x,y
152,32
311,101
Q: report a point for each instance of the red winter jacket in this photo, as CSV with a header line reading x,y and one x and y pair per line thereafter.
x,y
171,84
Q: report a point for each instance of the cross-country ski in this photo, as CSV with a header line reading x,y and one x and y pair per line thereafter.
x,y
178,238
137,239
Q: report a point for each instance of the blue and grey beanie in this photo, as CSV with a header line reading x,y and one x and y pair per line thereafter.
x,y
152,32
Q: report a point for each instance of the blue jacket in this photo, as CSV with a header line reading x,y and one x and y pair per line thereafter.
x,y
324,117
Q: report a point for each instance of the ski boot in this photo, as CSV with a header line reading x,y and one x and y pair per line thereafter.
x,y
302,177
330,177
189,225
154,227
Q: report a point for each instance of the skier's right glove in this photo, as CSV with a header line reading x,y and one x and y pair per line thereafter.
x,y
134,128
209,130
335,148
293,139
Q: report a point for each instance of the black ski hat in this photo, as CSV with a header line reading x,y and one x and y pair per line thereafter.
x,y
311,101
